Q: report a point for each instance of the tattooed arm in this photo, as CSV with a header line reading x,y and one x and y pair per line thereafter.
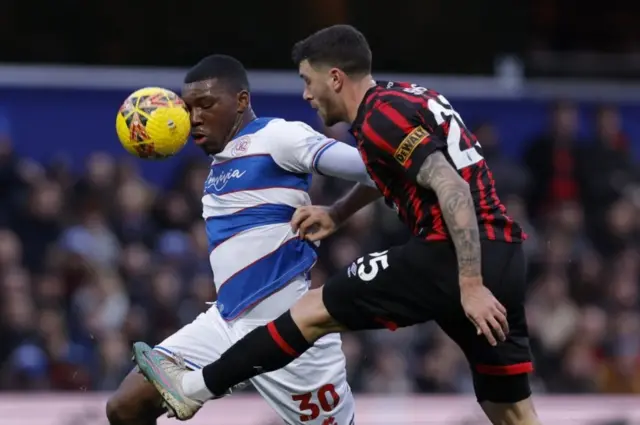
x,y
457,208
480,306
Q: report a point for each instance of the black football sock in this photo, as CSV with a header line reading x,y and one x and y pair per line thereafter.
x,y
264,349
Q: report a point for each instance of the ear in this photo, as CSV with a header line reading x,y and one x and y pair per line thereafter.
x,y
336,79
244,100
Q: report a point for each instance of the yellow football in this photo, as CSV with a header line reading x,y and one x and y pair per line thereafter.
x,y
153,123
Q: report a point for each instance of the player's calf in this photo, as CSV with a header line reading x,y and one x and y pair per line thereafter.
x,y
136,402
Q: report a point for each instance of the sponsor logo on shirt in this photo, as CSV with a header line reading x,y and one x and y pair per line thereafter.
x,y
409,144
219,181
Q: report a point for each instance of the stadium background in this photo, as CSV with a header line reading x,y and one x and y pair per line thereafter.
x,y
98,249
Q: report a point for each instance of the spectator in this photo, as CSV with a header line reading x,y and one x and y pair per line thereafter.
x,y
551,160
610,167
513,179
12,182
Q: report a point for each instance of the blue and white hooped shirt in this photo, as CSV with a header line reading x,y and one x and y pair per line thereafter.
x,y
254,186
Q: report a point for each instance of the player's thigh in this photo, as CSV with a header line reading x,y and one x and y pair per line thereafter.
x,y
500,373
381,289
312,389
200,342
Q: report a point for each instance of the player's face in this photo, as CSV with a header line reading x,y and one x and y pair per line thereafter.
x,y
214,111
322,91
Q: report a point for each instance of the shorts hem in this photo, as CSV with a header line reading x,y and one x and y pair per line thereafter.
x,y
514,369
191,365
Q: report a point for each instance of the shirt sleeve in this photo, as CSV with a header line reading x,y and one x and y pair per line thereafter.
x,y
344,162
297,148
401,134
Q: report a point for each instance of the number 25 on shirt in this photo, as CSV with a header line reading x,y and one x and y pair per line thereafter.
x,y
443,111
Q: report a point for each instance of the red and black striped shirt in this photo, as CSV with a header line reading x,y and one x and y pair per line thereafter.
x,y
397,127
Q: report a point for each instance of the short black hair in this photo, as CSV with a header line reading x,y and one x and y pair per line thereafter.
x,y
340,46
222,67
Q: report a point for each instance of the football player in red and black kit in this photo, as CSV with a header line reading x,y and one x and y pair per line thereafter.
x,y
464,266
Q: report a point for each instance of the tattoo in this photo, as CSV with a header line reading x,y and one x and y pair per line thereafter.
x,y
458,210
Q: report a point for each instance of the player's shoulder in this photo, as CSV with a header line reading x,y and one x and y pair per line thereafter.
x,y
409,100
399,93
389,100
283,132
266,127
282,126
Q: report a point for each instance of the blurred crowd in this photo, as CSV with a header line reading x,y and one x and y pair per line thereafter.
x,y
90,263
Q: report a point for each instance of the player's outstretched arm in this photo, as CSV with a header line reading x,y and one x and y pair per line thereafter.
x,y
298,148
458,211
342,161
357,198
315,222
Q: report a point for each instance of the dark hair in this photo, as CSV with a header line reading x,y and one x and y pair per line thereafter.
x,y
225,68
340,46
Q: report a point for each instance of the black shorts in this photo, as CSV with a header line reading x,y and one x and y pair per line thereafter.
x,y
418,282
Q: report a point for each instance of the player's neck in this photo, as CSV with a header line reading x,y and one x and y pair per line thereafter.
x,y
245,118
359,90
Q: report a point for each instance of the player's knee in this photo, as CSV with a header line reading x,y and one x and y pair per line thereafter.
x,y
119,411
519,413
312,317
506,400
135,402
501,388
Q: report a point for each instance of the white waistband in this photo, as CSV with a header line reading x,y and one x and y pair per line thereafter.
x,y
277,303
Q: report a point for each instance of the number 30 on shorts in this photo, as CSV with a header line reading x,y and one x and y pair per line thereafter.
x,y
368,270
327,400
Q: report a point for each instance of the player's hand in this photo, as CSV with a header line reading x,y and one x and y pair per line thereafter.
x,y
484,310
314,222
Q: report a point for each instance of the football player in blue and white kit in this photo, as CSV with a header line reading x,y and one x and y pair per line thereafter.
x,y
260,173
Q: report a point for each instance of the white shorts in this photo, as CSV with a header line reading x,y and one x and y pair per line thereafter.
x,y
312,389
